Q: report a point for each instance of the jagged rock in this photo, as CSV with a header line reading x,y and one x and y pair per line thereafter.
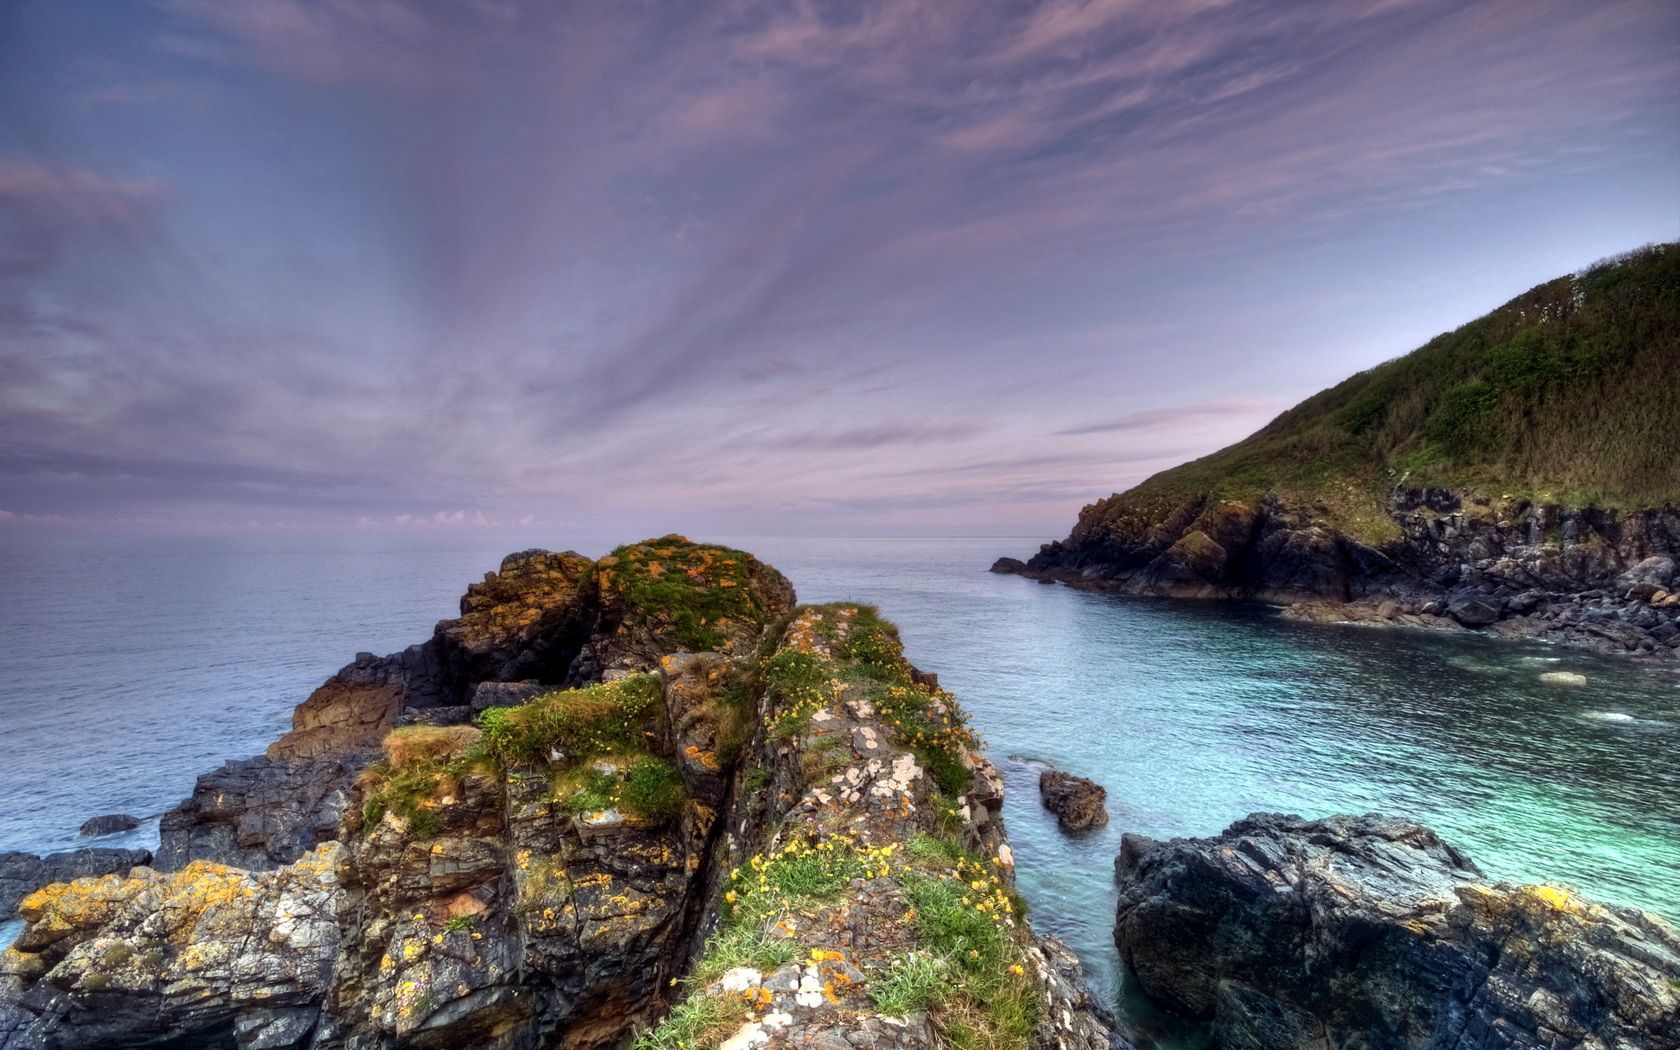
x,y
257,813
525,621
208,956
1372,932
23,873
1076,801
109,824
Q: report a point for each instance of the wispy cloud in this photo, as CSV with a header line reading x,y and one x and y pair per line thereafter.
x,y
387,258
1168,418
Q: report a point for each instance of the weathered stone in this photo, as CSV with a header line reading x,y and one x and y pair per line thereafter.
x,y
1369,931
1076,801
23,873
466,902
209,956
1472,611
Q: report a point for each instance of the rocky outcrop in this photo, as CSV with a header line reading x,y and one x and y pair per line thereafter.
x,y
1581,576
866,896
542,620
1076,801
1371,932
23,873
786,839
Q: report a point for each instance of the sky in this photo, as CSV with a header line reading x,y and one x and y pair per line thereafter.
x,y
796,268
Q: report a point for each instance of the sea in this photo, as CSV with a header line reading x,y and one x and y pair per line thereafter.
x,y
130,664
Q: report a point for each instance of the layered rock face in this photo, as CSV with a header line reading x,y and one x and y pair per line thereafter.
x,y
788,836
1373,933
1580,576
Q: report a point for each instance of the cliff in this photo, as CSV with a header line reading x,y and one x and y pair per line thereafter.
x,y
1520,471
642,799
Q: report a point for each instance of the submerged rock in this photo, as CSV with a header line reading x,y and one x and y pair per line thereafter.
x,y
1076,801
1563,678
1372,932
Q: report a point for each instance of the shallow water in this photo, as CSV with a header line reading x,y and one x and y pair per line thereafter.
x,y
129,666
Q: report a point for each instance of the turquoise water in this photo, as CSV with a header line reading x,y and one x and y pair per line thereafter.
x,y
129,666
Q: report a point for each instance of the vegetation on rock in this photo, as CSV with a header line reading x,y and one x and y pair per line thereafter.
x,y
1564,395
700,589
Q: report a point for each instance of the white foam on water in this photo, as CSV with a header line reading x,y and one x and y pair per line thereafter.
x,y
1610,716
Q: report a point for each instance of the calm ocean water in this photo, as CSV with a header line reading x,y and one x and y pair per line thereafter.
x,y
128,666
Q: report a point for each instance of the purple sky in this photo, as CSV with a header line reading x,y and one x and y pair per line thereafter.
x,y
849,268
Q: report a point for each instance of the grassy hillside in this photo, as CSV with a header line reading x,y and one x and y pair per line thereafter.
x,y
1568,393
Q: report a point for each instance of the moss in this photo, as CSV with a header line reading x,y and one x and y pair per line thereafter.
x,y
699,590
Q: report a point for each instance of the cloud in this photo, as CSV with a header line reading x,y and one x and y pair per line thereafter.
x,y
1169,418
495,259
879,436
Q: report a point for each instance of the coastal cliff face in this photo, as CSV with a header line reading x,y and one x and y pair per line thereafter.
x,y
1371,932
639,795
1588,577
1519,474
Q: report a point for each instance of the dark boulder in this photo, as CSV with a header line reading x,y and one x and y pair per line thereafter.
x,y
1076,801
1472,611
1009,565
1372,932
109,824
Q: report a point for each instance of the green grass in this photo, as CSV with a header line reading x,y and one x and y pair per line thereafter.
x,y
911,981
694,1024
565,731
744,944
1565,394
408,791
652,789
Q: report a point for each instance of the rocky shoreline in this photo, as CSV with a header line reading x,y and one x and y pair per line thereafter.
x,y
1454,561
649,801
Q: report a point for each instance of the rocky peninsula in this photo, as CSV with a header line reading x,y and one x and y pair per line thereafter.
x,y
641,799
1519,476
